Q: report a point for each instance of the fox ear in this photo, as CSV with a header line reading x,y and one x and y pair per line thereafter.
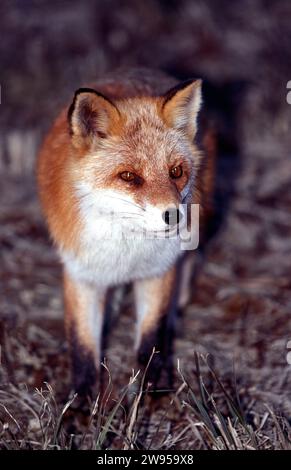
x,y
91,116
180,106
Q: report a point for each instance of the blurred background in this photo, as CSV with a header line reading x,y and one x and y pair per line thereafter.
x,y
240,309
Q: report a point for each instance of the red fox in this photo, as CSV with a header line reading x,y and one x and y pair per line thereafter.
x,y
125,147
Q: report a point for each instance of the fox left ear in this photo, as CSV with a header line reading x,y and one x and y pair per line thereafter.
x,y
91,116
180,106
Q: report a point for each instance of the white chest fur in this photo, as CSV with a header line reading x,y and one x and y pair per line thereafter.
x,y
110,253
112,262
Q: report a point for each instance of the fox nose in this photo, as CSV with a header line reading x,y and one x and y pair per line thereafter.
x,y
172,216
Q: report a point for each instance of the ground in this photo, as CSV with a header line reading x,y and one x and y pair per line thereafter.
x,y
238,321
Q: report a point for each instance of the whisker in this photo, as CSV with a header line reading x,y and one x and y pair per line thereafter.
x,y
127,202
126,218
118,214
130,213
88,194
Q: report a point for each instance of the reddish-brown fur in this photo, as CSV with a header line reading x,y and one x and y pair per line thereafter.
x,y
61,163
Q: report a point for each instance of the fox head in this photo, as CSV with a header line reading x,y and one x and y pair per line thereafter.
x,y
137,155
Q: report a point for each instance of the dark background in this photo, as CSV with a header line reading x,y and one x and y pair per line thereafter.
x,y
240,310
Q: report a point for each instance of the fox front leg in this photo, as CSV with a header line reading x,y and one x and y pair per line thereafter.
x,y
84,312
155,305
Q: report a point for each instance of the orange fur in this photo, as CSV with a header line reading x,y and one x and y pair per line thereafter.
x,y
156,294
78,298
136,122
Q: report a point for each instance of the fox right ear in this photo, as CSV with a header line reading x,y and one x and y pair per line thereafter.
x,y
91,116
181,105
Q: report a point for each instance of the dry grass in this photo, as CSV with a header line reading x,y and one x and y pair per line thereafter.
x,y
211,420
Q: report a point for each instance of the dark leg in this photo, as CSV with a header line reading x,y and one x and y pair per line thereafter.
x,y
154,305
84,310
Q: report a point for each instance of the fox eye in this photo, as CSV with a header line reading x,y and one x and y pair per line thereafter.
x,y
176,172
127,176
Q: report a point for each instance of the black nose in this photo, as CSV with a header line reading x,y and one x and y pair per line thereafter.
x,y
172,217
